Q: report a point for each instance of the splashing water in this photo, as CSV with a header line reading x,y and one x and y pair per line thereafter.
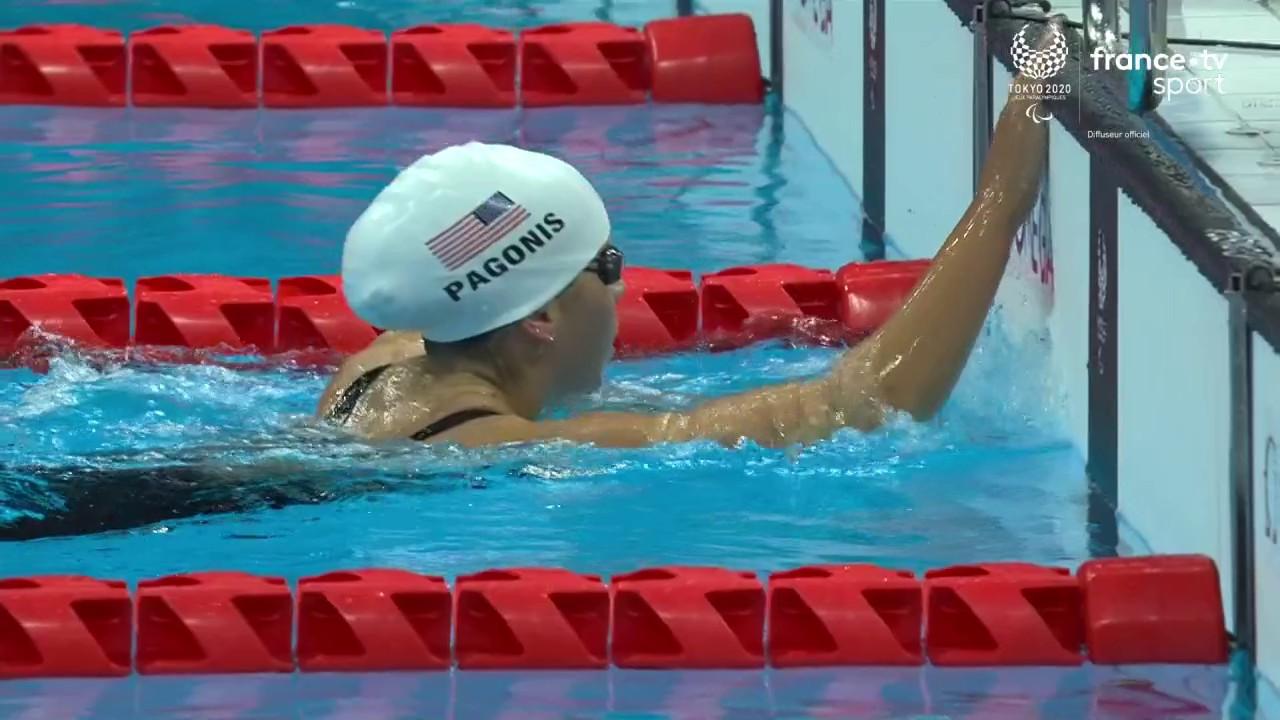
x,y
229,455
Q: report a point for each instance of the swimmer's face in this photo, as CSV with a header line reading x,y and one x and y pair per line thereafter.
x,y
586,320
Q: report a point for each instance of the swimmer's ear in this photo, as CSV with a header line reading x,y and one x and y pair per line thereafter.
x,y
540,326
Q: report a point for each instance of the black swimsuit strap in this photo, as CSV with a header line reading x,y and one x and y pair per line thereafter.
x,y
346,404
448,422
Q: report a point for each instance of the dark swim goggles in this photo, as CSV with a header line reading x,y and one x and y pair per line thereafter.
x,y
607,265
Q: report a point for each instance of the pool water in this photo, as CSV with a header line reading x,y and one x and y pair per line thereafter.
x,y
120,193
384,14
1135,693
272,194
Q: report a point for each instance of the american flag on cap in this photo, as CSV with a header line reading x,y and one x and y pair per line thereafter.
x,y
477,231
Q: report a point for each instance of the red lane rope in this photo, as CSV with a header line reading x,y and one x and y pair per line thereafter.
x,y
703,59
1157,609
306,321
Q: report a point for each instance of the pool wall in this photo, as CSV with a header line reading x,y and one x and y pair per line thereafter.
x,y
1266,511
1178,447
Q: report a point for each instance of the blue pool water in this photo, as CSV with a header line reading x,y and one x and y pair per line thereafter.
x,y
702,188
127,194
1136,693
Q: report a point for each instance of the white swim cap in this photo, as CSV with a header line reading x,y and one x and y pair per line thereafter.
x,y
470,239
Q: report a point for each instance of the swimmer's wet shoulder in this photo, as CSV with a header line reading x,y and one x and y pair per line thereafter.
x,y
361,368
532,333
395,401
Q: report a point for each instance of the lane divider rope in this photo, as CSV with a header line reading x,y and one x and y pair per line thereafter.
x,y
1155,609
306,321
697,59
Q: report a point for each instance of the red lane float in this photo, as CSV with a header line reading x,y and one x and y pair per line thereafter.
x,y
870,293
313,315
587,63
844,615
62,65
658,312
216,622
688,617
531,618
1140,610
1163,609
89,311
313,66
204,312
453,66
205,66
1003,614
710,59
370,620
705,59
745,304
64,626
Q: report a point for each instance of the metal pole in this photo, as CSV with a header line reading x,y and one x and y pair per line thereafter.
x,y
1241,468
981,94
775,47
1140,79
1160,25
1158,39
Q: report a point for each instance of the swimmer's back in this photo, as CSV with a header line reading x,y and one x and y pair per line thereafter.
x,y
368,394
387,349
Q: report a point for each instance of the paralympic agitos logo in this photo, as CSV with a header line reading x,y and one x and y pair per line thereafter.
x,y
514,253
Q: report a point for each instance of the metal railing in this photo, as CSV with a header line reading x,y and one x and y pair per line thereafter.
x,y
981,91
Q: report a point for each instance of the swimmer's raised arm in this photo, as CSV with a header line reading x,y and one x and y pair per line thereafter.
x,y
910,364
914,360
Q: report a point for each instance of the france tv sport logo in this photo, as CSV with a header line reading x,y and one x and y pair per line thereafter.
x,y
476,231
1040,64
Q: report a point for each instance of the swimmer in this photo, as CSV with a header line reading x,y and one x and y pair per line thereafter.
x,y
498,262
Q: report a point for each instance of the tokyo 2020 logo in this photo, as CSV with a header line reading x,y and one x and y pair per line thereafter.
x,y
1040,64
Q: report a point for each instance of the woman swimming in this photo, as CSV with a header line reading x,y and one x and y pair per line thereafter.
x,y
517,309
497,261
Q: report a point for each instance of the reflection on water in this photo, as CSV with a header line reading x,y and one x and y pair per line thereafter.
x,y
1099,693
131,193
206,466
